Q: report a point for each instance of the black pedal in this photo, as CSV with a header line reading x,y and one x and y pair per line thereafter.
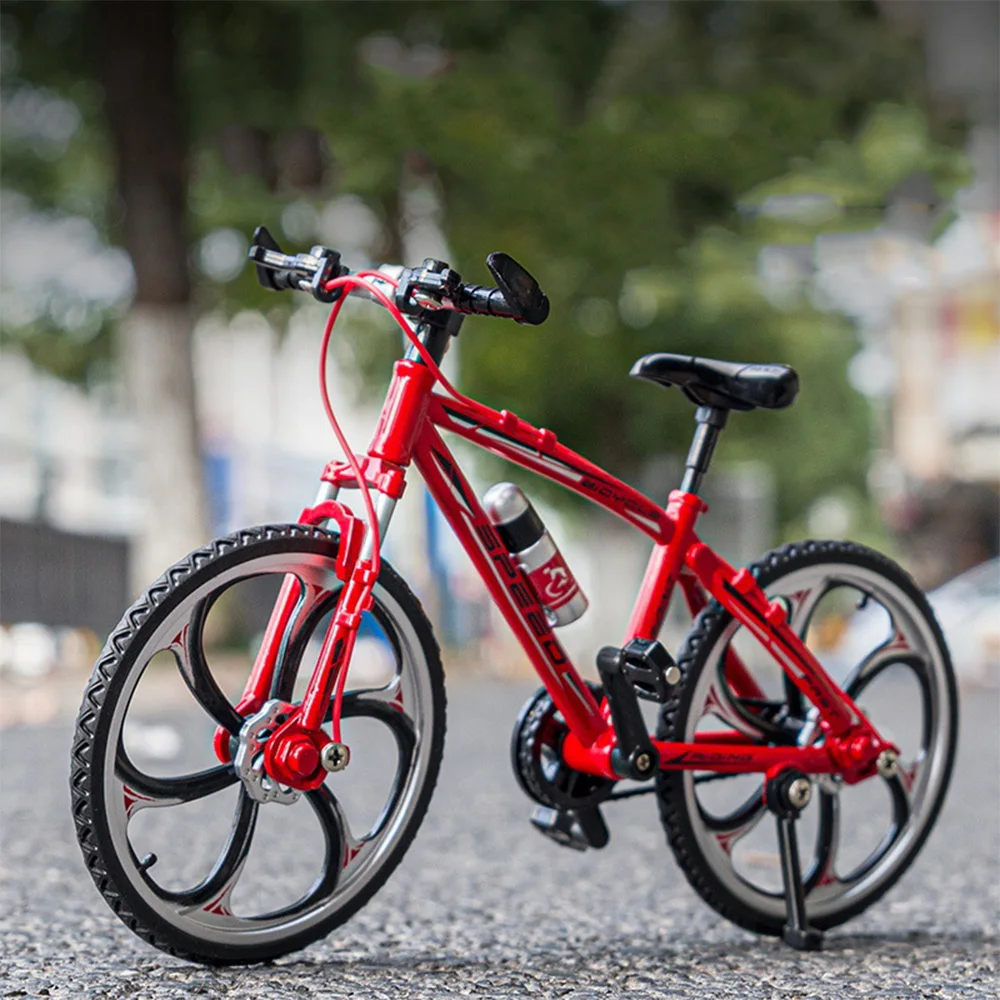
x,y
576,828
650,669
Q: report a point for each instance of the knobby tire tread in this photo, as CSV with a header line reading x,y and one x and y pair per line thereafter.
x,y
108,666
698,643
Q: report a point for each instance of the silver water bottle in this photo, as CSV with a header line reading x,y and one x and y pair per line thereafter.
x,y
531,546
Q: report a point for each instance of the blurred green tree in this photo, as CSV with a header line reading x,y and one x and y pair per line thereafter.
x,y
607,146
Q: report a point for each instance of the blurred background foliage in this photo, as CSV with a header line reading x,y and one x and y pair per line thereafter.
x,y
621,151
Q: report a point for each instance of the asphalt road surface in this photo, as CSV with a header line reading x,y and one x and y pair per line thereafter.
x,y
484,906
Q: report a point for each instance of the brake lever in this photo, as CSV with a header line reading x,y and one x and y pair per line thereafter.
x,y
268,257
431,286
318,266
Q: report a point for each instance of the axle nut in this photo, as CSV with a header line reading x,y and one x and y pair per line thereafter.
x,y
799,793
295,759
303,759
887,763
335,756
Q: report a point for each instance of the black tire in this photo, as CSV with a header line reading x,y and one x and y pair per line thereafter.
x,y
99,757
691,826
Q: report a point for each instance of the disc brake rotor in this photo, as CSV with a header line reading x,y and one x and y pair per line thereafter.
x,y
249,760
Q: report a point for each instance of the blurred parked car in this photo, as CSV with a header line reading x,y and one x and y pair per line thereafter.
x,y
968,610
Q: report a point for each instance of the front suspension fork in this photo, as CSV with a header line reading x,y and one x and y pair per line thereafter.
x,y
294,750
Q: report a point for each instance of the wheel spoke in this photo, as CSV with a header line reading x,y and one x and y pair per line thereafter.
x,y
901,786
212,894
189,652
901,812
390,712
315,600
734,826
719,702
145,791
363,705
802,603
821,879
901,808
353,849
324,804
389,694
886,655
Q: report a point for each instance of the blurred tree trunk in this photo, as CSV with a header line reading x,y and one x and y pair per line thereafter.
x,y
137,65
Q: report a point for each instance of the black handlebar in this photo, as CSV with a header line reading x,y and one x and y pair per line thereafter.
x,y
285,281
477,300
432,285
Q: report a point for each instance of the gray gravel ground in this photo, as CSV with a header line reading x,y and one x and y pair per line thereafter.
x,y
483,906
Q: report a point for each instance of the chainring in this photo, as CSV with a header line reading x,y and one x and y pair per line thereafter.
x,y
536,757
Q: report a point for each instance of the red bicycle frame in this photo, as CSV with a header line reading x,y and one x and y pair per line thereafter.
x,y
408,431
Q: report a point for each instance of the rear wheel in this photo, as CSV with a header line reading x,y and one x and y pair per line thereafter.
x,y
874,632
180,851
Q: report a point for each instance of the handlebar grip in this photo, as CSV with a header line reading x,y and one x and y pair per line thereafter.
x,y
479,300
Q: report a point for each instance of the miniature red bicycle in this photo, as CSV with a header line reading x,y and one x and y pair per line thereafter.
x,y
342,714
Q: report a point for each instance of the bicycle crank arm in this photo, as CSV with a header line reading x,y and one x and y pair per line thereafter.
x,y
634,756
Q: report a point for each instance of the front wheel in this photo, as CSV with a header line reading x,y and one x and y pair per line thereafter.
x,y
872,629
178,848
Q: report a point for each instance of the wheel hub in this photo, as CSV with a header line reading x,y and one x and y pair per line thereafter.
x,y
250,755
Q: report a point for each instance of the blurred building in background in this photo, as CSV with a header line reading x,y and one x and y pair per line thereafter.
x,y
939,472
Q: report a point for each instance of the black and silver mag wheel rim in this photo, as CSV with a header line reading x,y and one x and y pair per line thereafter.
x,y
853,840
345,854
